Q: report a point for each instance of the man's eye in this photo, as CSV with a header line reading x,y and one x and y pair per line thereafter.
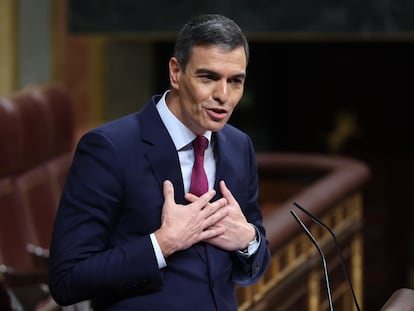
x,y
236,81
207,78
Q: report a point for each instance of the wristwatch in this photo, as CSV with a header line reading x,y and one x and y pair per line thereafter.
x,y
249,246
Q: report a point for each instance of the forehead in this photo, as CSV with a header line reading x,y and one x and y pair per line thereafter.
x,y
214,57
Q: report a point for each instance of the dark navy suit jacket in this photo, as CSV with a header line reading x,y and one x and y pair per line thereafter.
x,y
112,201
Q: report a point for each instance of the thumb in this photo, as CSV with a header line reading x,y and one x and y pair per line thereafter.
x,y
168,191
226,192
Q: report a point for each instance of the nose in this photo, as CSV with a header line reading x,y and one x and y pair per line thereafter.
x,y
221,91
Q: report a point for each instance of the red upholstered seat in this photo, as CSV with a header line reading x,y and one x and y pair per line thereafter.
x,y
36,133
61,109
36,122
63,124
14,234
11,139
57,169
32,180
21,273
36,193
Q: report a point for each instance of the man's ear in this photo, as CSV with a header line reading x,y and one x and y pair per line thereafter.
x,y
175,71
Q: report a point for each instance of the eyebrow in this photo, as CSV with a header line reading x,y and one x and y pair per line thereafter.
x,y
210,72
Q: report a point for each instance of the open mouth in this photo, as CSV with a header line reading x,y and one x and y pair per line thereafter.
x,y
219,111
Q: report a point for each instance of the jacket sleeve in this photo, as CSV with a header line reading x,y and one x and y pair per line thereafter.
x,y
84,262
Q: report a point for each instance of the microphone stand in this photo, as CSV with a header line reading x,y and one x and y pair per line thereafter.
x,y
325,268
338,248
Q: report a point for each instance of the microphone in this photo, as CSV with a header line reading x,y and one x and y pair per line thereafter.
x,y
325,266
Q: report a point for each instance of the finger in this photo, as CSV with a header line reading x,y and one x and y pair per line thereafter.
x,y
226,192
214,213
202,200
168,191
190,197
212,232
215,206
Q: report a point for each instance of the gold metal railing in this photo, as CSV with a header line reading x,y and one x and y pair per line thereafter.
x,y
329,187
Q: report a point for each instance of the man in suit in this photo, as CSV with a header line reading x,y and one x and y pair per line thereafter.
x,y
128,233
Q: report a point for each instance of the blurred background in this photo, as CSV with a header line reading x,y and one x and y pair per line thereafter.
x,y
332,77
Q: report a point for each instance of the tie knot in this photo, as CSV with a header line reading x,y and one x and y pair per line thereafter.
x,y
200,144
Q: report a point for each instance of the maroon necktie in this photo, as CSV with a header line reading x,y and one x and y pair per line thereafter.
x,y
199,182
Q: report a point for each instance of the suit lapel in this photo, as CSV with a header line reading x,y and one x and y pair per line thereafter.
x,y
225,167
160,150
162,154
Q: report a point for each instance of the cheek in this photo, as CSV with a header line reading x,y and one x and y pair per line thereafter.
x,y
196,92
235,98
202,92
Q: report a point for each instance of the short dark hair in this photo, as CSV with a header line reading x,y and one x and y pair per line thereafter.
x,y
208,29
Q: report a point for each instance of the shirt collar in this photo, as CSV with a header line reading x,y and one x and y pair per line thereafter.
x,y
180,134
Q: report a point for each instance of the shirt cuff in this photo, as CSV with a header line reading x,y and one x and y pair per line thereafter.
x,y
158,253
